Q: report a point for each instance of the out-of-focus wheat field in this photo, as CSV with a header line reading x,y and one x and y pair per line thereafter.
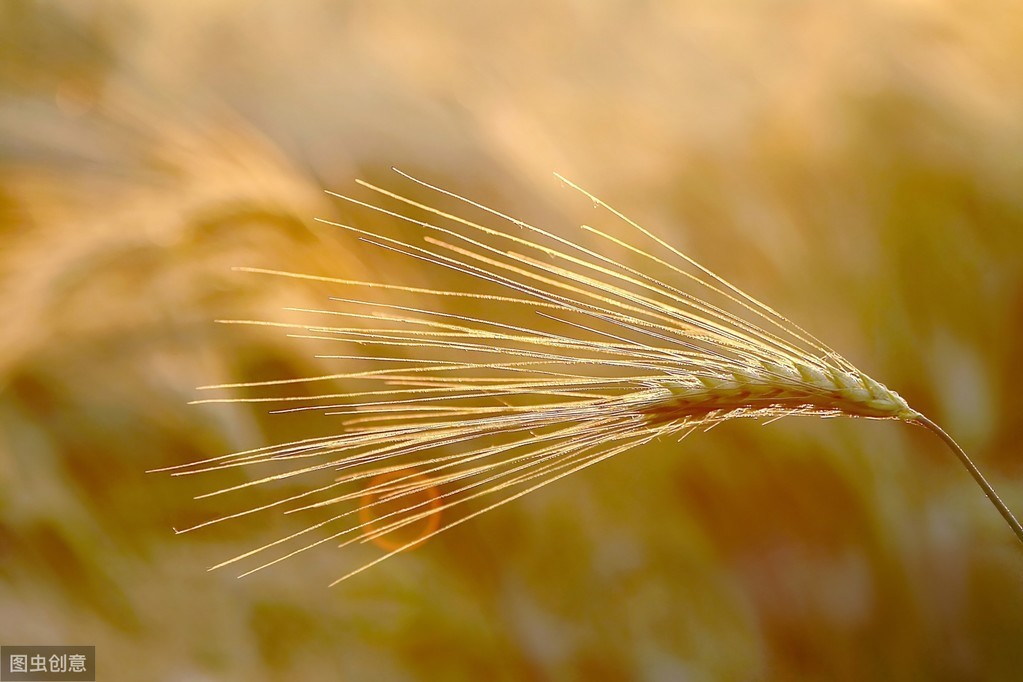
x,y
856,165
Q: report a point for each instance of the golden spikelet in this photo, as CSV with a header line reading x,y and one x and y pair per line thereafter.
x,y
578,358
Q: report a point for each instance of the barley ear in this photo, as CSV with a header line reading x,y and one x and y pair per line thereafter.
x,y
975,472
484,410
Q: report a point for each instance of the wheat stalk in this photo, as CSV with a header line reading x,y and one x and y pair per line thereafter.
x,y
579,358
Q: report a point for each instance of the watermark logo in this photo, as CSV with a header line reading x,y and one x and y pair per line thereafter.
x,y
47,663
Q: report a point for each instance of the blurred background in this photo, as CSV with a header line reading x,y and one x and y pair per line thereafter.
x,y
857,165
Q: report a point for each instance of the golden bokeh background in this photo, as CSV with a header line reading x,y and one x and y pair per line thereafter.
x,y
857,165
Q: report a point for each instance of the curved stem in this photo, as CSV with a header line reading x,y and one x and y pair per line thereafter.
x,y
975,472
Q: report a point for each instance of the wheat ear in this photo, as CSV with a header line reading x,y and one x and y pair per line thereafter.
x,y
579,357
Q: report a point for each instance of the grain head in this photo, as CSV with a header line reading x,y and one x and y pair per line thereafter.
x,y
573,356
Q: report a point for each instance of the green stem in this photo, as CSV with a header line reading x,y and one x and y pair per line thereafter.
x,y
975,472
